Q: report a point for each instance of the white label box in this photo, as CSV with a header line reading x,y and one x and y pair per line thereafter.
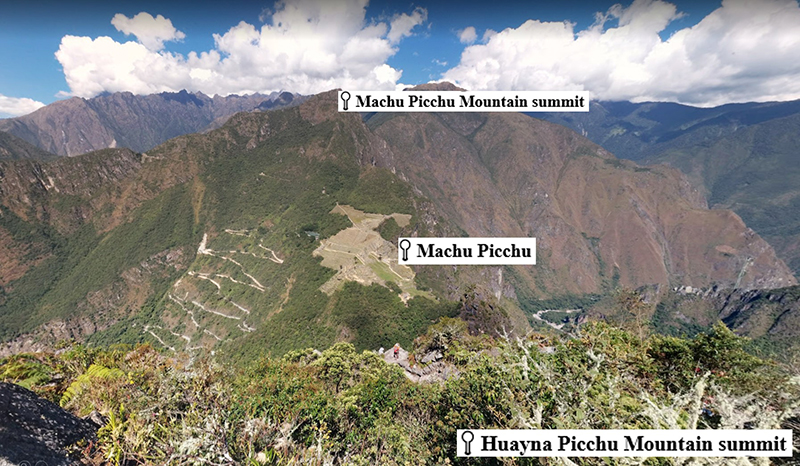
x,y
463,101
466,251
623,443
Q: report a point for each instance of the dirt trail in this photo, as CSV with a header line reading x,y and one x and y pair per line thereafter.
x,y
209,332
274,257
163,343
196,299
212,311
180,302
538,316
204,250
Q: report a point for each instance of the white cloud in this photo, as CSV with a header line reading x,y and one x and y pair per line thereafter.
x,y
306,46
402,24
743,51
467,35
16,106
151,32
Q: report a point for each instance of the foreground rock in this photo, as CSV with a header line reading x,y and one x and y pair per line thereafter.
x,y
435,369
36,431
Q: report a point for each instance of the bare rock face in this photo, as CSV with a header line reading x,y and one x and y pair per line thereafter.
x,y
34,430
68,127
767,314
433,369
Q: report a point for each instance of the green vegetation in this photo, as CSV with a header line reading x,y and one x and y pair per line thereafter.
x,y
556,316
765,316
389,230
12,147
379,191
564,302
270,194
84,381
85,261
262,188
376,317
344,406
665,323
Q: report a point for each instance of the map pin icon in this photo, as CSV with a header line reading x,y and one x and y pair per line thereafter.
x,y
467,437
345,97
405,245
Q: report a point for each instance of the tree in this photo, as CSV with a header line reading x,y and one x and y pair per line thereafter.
x,y
634,312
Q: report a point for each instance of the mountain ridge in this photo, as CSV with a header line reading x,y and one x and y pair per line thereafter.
x,y
548,183
207,241
14,148
139,122
741,156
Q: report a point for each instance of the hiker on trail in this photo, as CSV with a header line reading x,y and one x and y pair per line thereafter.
x,y
396,350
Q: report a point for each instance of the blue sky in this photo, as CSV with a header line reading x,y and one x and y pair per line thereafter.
x,y
701,53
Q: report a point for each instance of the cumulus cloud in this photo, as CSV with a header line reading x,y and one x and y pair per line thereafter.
x,y
16,106
467,35
150,32
746,50
402,24
305,46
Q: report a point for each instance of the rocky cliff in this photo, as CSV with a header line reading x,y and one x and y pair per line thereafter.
x,y
36,431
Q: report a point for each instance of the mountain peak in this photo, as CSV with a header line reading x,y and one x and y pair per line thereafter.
x,y
440,86
123,119
184,97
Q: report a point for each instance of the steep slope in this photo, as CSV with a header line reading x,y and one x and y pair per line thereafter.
x,y
208,241
638,131
14,148
90,236
743,157
139,122
599,220
769,317
755,172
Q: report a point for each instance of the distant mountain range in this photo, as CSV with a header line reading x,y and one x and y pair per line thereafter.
x,y
139,122
277,231
743,157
